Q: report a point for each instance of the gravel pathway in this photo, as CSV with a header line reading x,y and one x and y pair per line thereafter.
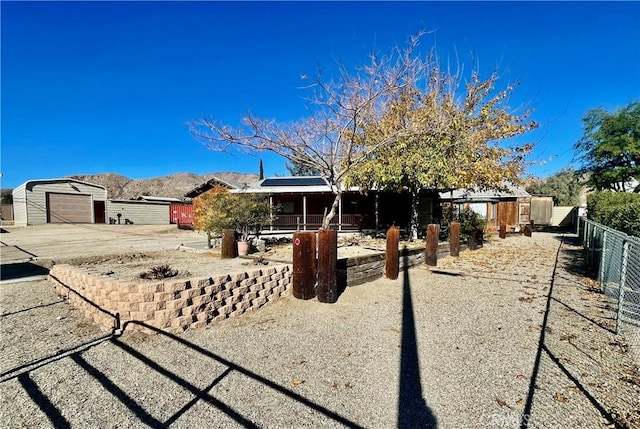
x,y
456,348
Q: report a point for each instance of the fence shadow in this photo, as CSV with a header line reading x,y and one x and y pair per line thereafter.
x,y
526,419
42,401
201,394
413,411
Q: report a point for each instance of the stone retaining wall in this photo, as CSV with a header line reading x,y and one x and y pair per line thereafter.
x,y
169,304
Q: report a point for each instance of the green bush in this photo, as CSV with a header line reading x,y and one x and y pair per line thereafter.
x,y
470,221
617,210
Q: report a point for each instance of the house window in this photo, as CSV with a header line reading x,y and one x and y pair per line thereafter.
x,y
525,211
479,208
287,207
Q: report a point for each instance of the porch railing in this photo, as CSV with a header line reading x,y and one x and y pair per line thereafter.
x,y
314,221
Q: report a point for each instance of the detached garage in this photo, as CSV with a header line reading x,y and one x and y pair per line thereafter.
x,y
59,201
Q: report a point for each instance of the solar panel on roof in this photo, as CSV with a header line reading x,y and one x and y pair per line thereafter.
x,y
294,181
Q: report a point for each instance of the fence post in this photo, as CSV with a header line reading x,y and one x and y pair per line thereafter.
x,y
392,256
603,259
588,240
454,239
229,247
327,289
304,265
623,281
431,256
503,231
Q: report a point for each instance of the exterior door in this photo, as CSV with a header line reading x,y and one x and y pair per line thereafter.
x,y
99,212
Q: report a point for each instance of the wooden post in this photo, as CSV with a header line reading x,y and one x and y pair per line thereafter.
x,y
304,265
503,231
431,257
229,247
327,290
392,263
454,239
472,241
527,230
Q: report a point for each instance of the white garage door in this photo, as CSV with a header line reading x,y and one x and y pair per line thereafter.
x,y
69,208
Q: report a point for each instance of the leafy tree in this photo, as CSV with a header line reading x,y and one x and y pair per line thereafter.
x,y
617,210
610,148
261,176
246,213
460,147
7,197
564,186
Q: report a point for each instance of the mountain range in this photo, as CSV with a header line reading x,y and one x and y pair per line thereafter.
x,y
173,185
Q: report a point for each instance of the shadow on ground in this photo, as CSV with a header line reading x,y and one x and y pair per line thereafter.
x,y
576,376
21,270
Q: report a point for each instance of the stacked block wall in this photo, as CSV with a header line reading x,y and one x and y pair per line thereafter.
x,y
169,304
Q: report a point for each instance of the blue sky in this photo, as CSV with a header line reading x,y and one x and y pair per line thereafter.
x,y
95,87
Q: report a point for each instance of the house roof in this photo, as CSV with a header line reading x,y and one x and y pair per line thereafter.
x,y
157,203
210,184
488,195
163,199
29,183
289,185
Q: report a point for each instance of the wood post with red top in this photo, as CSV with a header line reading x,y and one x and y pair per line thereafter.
x,y
304,265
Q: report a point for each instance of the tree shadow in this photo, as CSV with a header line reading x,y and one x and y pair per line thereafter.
x,y
413,411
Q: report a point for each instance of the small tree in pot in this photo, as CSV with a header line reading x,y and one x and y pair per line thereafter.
x,y
243,212
472,226
248,214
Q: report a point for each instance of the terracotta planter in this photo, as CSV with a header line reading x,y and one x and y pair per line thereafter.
x,y
243,248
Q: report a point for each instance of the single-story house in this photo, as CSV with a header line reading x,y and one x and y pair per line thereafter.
x,y
511,207
300,202
59,201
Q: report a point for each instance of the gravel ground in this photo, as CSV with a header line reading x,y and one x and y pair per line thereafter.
x,y
458,348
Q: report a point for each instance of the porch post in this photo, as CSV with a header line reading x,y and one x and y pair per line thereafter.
x,y
271,212
340,213
304,212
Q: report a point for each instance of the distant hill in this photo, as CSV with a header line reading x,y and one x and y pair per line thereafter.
x,y
174,185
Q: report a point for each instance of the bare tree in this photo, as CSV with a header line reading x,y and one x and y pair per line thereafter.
x,y
331,139
400,122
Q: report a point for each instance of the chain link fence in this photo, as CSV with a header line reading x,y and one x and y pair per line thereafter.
x,y
615,257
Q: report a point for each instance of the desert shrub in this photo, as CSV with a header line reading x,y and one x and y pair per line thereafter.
x,y
159,272
617,210
470,221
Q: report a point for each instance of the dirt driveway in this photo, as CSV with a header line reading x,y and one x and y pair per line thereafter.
x,y
70,241
458,349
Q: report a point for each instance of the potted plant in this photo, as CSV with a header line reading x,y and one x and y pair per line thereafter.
x,y
472,226
248,214
242,212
